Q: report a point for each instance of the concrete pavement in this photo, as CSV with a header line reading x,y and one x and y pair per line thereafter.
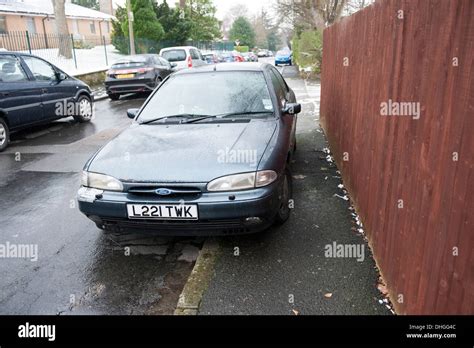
x,y
286,270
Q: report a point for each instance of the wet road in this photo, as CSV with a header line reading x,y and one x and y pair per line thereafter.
x,y
79,270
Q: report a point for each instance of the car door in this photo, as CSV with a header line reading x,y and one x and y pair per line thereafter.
x,y
166,68
53,90
198,59
284,96
20,98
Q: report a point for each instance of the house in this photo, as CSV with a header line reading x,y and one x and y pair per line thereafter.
x,y
37,18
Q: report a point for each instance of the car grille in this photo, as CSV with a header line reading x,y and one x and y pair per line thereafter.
x,y
182,192
217,227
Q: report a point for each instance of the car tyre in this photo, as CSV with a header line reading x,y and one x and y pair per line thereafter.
x,y
284,210
85,109
114,96
4,135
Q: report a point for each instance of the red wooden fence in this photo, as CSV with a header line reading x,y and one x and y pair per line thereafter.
x,y
410,174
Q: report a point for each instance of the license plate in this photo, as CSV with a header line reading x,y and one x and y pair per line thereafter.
x,y
163,211
125,76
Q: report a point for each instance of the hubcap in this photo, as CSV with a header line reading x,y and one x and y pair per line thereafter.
x,y
3,134
85,108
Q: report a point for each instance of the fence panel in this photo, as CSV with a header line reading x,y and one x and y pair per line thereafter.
x,y
398,102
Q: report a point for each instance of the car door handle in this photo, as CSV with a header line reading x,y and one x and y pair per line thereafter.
x,y
44,90
5,94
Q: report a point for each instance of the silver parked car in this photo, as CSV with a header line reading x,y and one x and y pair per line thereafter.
x,y
183,56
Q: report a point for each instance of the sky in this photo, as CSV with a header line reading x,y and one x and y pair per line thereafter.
x,y
223,6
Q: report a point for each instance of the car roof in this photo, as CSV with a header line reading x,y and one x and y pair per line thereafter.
x,y
225,67
178,48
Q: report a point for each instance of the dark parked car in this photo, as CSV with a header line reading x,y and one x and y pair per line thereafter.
x,y
200,161
33,91
139,73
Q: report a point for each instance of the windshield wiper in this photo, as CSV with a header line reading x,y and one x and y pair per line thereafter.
x,y
174,116
230,114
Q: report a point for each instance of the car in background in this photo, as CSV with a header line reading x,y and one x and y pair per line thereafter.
x,y
284,57
138,73
238,57
226,57
250,57
184,57
263,53
211,58
182,176
34,91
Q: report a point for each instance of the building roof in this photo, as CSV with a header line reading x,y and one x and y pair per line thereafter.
x,y
45,7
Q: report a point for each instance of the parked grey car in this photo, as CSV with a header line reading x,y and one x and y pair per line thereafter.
x,y
199,161
138,73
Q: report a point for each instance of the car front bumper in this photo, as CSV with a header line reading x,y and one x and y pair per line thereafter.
x,y
220,213
282,61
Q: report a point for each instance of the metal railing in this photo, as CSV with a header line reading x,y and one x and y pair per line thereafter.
x,y
72,53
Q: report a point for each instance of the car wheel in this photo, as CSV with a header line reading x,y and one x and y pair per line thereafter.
x,y
4,135
114,96
286,194
85,109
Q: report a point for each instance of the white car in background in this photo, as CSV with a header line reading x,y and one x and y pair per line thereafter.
x,y
184,56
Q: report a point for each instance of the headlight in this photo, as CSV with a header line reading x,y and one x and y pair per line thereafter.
x,y
101,181
242,181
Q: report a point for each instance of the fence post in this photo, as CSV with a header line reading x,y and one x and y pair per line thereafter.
x,y
28,41
73,50
105,50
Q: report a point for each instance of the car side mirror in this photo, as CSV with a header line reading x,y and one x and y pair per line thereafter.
x,y
291,108
61,76
173,65
132,113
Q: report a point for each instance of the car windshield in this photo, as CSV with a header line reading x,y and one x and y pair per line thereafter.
x,y
283,53
210,93
174,55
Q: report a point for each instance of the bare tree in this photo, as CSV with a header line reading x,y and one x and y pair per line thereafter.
x,y
62,29
353,6
312,14
236,11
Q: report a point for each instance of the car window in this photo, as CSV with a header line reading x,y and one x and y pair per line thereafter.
x,y
40,69
174,55
281,79
224,92
11,69
130,62
280,91
164,62
195,54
